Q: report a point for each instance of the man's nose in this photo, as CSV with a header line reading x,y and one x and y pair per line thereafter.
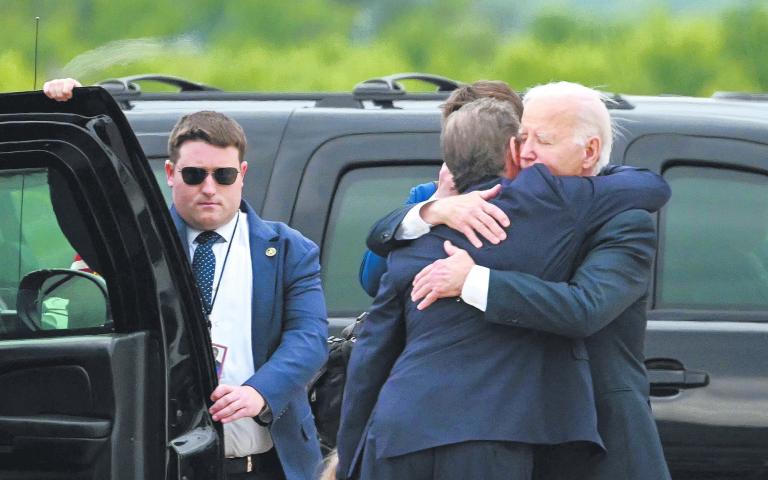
x,y
209,185
527,152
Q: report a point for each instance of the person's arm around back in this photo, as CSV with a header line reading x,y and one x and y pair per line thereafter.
x,y
470,213
620,188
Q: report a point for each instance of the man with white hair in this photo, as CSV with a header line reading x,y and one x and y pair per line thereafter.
x,y
567,127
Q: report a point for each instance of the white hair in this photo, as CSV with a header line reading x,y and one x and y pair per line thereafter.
x,y
594,119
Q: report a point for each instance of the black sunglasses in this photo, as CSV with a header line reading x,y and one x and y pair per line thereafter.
x,y
196,175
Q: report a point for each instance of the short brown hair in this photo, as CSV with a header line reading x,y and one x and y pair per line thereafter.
x,y
475,140
482,89
211,127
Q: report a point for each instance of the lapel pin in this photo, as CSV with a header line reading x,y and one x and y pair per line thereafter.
x,y
270,252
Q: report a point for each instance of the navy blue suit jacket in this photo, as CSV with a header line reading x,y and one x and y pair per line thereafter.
x,y
289,331
420,379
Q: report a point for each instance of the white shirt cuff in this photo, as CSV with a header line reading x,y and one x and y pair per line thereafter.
x,y
413,226
475,290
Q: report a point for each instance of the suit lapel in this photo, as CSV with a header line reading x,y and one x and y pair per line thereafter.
x,y
266,255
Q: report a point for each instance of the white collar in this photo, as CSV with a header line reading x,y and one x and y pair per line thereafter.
x,y
225,230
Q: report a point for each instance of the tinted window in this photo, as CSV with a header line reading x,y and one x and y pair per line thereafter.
x,y
158,169
713,251
31,240
364,195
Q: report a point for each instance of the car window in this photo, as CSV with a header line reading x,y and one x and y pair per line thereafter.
x,y
158,169
713,248
363,196
32,241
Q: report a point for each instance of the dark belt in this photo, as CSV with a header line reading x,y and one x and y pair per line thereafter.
x,y
252,463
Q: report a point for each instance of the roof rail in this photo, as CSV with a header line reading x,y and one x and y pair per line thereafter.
x,y
614,101
749,97
128,84
384,90
380,91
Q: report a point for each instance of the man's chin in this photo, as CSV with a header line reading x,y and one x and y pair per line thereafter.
x,y
208,222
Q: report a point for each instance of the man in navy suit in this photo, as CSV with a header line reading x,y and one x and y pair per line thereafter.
x,y
605,299
260,286
263,298
440,393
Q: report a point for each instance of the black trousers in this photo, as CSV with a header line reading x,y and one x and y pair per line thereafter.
x,y
486,460
568,461
266,466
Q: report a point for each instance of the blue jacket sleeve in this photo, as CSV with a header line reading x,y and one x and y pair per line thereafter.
x,y
614,274
373,266
381,340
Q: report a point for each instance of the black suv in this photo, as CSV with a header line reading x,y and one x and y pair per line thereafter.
x,y
106,376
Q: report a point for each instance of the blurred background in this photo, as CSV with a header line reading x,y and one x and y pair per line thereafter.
x,y
689,47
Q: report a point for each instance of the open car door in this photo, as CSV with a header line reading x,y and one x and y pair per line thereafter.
x,y
105,375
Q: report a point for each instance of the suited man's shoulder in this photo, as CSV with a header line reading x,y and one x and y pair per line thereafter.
x,y
631,220
270,230
292,238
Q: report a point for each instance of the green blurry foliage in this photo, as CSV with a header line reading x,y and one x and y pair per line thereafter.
x,y
307,45
745,33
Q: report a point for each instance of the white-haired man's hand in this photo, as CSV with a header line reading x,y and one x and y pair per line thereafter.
x,y
442,278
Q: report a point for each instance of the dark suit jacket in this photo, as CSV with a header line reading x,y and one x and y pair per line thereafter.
x,y
289,331
442,375
605,301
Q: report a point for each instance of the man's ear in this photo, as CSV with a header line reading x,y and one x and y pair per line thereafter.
x,y
169,173
591,153
243,168
512,159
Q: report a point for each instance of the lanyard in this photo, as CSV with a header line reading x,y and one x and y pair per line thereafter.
x,y
223,266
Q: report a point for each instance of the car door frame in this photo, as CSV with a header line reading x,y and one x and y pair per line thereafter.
x,y
151,286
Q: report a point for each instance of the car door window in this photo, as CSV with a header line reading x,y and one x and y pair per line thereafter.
x,y
158,170
363,196
30,241
713,251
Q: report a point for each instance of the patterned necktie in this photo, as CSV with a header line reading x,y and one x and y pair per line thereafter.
x,y
204,266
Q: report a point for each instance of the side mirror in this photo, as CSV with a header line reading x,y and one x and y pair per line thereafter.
x,y
62,299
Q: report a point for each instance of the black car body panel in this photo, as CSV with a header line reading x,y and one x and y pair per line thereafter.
x,y
331,165
109,399
705,360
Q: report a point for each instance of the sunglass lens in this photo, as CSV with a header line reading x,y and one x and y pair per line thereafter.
x,y
193,175
225,176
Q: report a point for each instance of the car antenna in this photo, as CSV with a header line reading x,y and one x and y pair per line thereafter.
x,y
37,34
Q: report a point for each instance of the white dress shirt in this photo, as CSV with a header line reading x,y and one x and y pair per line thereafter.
x,y
231,327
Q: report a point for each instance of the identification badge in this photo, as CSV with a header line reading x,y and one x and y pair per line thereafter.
x,y
219,356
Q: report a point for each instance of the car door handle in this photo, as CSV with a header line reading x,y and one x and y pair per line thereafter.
x,y
678,378
668,376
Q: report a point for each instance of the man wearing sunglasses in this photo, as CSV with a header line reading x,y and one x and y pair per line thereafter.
x,y
260,287
268,352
